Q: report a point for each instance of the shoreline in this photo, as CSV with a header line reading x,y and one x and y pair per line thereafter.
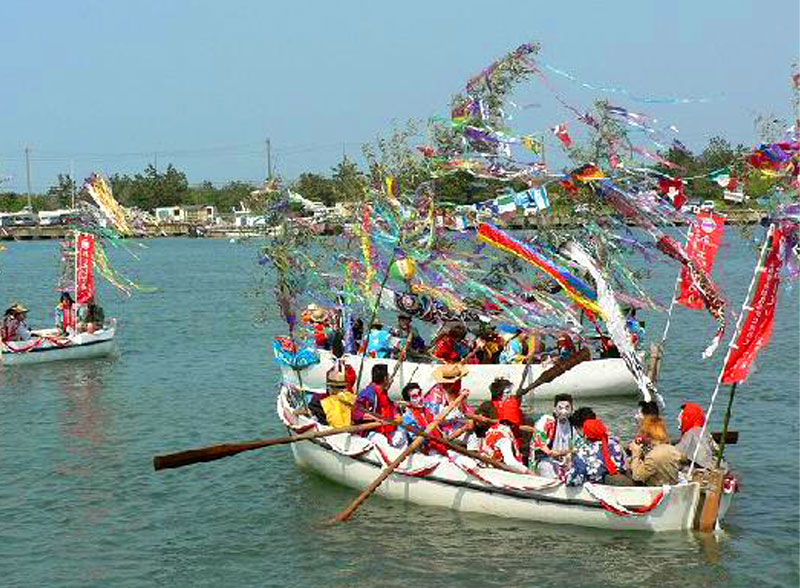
x,y
193,230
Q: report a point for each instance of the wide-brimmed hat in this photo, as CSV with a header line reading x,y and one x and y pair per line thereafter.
x,y
336,378
17,307
449,373
318,315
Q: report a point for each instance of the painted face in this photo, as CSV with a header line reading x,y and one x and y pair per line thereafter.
x,y
415,396
563,409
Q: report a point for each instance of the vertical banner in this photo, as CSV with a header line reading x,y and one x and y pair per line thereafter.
x,y
84,268
757,328
702,248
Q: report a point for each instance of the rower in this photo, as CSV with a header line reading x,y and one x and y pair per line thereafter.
x,y
14,327
374,398
497,441
600,460
691,419
553,439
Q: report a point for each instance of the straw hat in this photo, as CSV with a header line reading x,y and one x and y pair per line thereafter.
x,y
318,315
447,374
17,307
336,378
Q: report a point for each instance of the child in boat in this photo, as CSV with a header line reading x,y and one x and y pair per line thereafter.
x,y
598,459
553,439
497,440
65,314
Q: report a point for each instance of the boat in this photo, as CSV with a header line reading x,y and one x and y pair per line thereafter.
x,y
47,345
461,484
589,379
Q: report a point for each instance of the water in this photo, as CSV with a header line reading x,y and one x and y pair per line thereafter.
x,y
81,506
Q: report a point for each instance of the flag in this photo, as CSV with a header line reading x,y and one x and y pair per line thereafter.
x,y
531,144
505,204
588,173
702,249
673,189
757,328
540,199
84,268
561,132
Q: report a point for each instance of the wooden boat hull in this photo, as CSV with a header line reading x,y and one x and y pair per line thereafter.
x,y
590,379
51,348
342,459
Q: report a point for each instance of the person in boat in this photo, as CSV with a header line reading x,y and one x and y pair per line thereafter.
x,y
488,345
446,347
374,399
415,418
553,439
15,327
379,342
497,440
691,420
600,460
337,405
410,339
354,335
580,416
566,346
90,317
654,462
513,348
321,324
65,314
446,390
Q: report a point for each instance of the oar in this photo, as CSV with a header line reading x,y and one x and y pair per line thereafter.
x,y
412,447
214,452
483,419
558,369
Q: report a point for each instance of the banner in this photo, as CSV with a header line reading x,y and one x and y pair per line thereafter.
x,y
702,248
757,328
84,268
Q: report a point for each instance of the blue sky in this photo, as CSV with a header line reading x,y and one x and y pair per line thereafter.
x,y
112,86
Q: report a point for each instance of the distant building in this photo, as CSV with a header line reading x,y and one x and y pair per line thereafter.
x,y
190,213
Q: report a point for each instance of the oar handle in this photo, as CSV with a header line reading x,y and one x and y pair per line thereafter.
x,y
215,452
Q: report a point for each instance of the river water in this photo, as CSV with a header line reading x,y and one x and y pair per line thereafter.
x,y
80,504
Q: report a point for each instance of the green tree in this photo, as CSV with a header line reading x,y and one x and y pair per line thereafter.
x,y
62,191
315,187
348,181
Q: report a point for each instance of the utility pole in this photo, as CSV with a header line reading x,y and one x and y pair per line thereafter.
x,y
28,175
155,160
269,160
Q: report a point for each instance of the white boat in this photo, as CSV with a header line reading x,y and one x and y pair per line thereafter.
x,y
463,485
590,379
49,345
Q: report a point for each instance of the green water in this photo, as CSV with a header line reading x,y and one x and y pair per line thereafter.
x,y
81,506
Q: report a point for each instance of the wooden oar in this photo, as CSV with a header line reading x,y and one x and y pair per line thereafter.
x,y
214,452
558,369
412,447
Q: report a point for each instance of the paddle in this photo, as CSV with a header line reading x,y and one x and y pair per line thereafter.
x,y
214,452
558,369
412,447
481,418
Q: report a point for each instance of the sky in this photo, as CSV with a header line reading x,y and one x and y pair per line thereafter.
x,y
113,86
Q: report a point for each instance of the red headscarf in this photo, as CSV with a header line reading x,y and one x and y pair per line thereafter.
x,y
595,430
691,417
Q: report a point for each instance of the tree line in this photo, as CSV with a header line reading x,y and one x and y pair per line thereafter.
x,y
347,182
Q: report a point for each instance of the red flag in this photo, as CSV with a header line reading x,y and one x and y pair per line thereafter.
x,y
561,132
702,248
673,189
757,328
84,268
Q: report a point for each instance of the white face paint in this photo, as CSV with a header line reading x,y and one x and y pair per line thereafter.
x,y
415,396
563,410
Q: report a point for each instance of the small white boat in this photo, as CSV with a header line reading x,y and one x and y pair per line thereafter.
x,y
461,484
590,379
49,345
